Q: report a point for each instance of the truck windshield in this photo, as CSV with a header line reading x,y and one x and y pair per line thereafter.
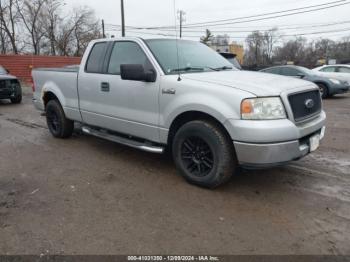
x,y
193,56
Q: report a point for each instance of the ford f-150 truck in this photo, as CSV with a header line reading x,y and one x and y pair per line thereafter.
x,y
183,97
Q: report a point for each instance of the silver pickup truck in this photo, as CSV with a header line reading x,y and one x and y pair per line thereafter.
x,y
183,97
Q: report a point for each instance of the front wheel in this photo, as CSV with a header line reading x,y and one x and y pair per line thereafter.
x,y
16,100
204,154
59,125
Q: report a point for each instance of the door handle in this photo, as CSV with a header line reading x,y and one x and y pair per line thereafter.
x,y
105,87
170,91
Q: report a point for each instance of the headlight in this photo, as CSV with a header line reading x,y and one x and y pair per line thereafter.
x,y
262,109
335,81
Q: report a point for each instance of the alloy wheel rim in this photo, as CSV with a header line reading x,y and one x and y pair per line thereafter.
x,y
53,120
197,156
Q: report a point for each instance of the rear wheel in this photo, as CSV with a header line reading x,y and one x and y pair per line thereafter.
x,y
323,90
58,124
204,154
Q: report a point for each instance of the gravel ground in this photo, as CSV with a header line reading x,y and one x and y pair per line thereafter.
x,y
89,196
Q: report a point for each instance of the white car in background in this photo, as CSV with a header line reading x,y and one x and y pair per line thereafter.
x,y
340,72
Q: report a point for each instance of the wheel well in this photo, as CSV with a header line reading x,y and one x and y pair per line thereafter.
x,y
189,116
322,83
48,96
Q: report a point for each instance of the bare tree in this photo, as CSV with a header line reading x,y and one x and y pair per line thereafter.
x,y
8,21
76,33
86,28
51,22
255,42
31,13
3,40
64,40
292,50
271,37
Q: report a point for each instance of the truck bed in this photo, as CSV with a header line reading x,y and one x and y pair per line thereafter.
x,y
63,82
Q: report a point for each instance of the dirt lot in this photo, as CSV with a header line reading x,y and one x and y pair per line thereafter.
x,y
89,196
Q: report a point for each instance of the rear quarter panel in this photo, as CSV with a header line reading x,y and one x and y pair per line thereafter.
x,y
63,84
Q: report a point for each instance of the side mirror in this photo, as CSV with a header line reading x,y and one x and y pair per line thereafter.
x,y
135,72
7,71
301,75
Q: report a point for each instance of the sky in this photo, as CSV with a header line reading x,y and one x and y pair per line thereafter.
x,y
154,13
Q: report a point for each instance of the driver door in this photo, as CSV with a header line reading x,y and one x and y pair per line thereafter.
x,y
128,107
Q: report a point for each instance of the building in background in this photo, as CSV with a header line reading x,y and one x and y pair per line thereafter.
x,y
221,44
238,50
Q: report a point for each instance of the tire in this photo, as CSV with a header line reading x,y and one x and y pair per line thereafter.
x,y
323,90
58,124
204,154
16,100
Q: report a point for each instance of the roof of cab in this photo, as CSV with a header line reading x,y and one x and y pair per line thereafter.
x,y
160,37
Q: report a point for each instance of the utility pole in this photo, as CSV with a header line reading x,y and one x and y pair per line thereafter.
x,y
181,17
123,18
103,29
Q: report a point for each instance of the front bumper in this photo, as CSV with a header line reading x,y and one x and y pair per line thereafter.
x,y
338,89
260,144
274,154
8,93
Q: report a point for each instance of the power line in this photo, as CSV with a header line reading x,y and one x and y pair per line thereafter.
x,y
252,28
114,28
272,17
243,37
270,28
236,20
266,14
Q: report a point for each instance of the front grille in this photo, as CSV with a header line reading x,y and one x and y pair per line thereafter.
x,y
301,104
8,87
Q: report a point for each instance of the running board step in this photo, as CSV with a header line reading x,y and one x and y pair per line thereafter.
x,y
123,140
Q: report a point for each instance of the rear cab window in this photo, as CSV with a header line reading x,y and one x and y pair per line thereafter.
x,y
95,61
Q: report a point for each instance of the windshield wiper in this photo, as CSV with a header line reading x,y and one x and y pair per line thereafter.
x,y
222,68
197,68
188,68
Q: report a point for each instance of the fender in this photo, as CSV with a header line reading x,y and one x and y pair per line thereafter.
x,y
219,109
203,103
50,86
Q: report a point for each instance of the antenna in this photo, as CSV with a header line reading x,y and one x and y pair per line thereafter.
x,y
177,44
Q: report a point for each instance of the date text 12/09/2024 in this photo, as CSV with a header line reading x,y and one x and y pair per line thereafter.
x,y
173,258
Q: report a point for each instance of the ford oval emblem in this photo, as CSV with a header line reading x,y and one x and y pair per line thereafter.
x,y
309,103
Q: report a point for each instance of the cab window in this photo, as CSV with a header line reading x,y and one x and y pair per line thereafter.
x,y
287,71
275,70
127,53
344,70
329,69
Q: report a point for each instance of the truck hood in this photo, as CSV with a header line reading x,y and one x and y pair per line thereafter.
x,y
256,83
